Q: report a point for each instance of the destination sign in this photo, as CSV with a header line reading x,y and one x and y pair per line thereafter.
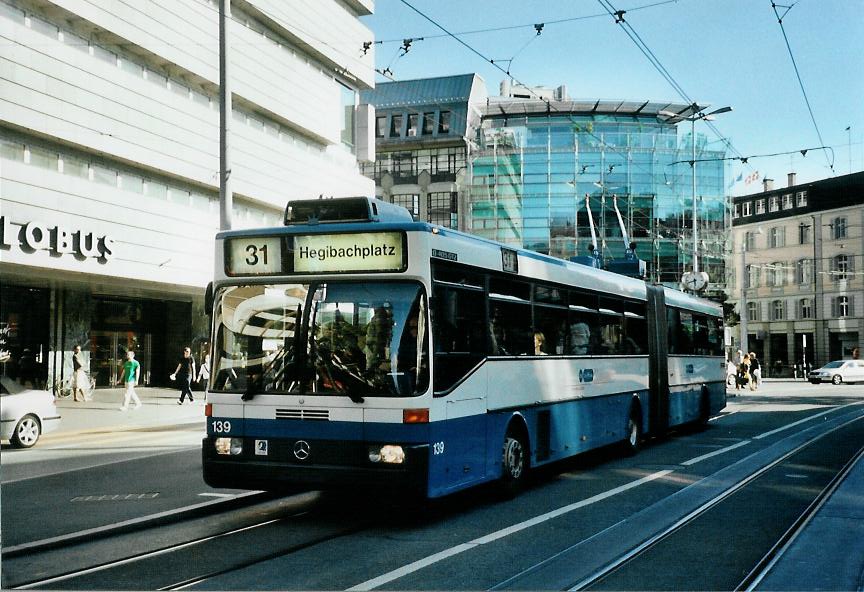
x,y
366,251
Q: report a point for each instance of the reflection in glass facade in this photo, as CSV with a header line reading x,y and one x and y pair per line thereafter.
x,y
532,172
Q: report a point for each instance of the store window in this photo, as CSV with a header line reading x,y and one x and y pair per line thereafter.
x,y
24,334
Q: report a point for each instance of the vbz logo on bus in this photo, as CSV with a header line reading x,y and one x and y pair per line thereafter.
x,y
586,375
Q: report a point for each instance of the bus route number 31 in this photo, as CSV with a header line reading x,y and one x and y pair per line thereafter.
x,y
261,255
221,426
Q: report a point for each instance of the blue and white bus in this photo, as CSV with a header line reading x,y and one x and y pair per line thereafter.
x,y
354,347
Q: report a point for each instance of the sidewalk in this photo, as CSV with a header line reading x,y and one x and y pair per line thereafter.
x,y
103,413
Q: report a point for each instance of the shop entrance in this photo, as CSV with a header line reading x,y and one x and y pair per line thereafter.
x,y
108,352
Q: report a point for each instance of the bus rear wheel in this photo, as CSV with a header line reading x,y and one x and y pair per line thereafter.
x,y
514,463
634,433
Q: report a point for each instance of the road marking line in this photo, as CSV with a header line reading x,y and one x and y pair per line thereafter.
x,y
499,534
806,419
693,461
211,494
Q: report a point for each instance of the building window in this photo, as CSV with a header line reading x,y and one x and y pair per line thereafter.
x,y
841,267
805,309
748,208
404,164
787,201
409,201
753,311
841,306
443,208
737,213
444,122
749,241
803,271
760,206
776,272
838,228
380,126
778,310
777,237
395,125
801,199
413,122
804,234
774,204
752,277
428,123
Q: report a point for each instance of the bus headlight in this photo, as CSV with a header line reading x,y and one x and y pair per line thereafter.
x,y
388,453
232,446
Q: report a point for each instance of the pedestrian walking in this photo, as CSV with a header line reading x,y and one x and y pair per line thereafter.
x,y
744,373
130,375
184,373
80,383
204,372
755,372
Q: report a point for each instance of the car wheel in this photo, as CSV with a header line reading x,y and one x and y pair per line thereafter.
x,y
514,463
836,379
27,432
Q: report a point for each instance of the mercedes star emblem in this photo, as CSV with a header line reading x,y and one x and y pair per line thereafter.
x,y
301,449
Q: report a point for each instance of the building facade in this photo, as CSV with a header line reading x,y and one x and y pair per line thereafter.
x,y
424,138
797,272
530,164
109,162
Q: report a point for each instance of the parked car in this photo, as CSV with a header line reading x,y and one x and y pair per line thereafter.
x,y
839,371
25,414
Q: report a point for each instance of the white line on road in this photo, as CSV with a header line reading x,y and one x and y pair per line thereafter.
x,y
693,461
211,494
806,419
499,534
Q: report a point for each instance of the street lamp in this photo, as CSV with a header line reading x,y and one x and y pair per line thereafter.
x,y
695,281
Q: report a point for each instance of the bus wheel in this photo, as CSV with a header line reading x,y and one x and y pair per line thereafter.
x,y
634,432
514,463
704,409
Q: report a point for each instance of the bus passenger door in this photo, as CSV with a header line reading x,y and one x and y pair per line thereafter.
x,y
658,361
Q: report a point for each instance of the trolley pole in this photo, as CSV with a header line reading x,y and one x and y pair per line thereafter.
x,y
226,197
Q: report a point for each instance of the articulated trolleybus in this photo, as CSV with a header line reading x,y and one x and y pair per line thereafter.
x,y
354,347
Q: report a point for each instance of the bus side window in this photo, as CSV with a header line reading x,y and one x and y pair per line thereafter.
x,y
611,327
672,322
510,328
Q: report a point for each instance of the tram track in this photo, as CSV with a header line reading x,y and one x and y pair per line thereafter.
x,y
625,568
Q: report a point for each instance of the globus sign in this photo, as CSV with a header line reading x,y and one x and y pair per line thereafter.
x,y
60,240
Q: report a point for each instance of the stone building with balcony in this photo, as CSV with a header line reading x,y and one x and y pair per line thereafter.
x,y
797,272
424,133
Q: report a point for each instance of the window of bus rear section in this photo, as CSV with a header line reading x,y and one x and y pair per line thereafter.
x,y
322,337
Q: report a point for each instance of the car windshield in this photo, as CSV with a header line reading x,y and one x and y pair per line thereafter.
x,y
833,364
327,338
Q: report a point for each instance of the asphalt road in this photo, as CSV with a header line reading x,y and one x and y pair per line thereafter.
x,y
571,522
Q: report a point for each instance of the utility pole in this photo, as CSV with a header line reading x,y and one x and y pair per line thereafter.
x,y
226,197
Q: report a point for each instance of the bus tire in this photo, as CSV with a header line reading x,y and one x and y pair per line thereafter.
x,y
633,440
702,421
515,462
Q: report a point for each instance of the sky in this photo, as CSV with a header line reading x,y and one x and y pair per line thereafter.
x,y
720,52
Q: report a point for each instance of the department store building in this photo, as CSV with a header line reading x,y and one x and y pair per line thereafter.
x,y
109,160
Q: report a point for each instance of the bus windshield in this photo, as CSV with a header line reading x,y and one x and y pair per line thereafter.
x,y
329,338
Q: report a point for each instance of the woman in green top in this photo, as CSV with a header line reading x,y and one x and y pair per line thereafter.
x,y
131,372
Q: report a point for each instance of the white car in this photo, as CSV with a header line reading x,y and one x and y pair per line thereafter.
x,y
25,414
839,371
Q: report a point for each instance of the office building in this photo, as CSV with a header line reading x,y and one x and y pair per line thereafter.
x,y
797,273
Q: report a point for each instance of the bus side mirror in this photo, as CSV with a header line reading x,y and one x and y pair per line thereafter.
x,y
208,300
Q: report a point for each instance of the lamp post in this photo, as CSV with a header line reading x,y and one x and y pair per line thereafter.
x,y
696,115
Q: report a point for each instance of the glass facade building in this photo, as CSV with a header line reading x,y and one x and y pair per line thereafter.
x,y
539,168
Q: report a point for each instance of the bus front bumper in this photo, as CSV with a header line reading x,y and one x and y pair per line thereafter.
x,y
339,465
